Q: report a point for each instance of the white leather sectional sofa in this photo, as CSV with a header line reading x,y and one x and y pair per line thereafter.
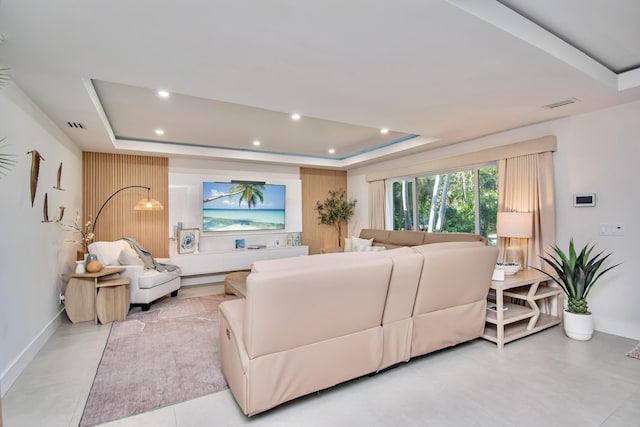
x,y
308,323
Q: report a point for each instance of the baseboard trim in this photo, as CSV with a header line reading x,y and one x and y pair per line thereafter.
x,y
9,376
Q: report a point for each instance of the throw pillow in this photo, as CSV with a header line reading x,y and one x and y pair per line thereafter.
x,y
362,242
348,244
108,252
127,258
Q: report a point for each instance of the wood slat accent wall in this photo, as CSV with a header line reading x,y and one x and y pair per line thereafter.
x,y
316,184
105,173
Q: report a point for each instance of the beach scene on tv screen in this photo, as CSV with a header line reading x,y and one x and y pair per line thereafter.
x,y
242,206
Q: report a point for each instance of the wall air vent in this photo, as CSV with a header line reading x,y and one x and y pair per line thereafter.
x,y
561,103
76,125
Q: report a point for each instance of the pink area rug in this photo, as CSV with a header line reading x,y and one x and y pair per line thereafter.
x,y
157,358
635,353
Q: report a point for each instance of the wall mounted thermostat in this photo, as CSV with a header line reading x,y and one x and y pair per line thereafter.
x,y
583,200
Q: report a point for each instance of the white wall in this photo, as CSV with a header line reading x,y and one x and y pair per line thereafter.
x,y
185,198
33,254
597,152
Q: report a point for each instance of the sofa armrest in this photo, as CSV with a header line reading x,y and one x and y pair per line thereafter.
x,y
132,272
233,312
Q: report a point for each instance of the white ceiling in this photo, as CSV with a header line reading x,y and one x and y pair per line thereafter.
x,y
435,72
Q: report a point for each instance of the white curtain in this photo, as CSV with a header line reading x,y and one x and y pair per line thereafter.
x,y
526,185
377,200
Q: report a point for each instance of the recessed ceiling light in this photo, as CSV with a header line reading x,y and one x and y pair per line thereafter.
x,y
159,132
384,131
295,116
256,143
163,94
332,151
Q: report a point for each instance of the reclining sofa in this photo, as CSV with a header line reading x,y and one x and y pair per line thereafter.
x,y
395,239
308,323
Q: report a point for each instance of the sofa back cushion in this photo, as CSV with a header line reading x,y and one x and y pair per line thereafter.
x,y
430,238
310,261
394,239
295,307
454,273
406,238
379,236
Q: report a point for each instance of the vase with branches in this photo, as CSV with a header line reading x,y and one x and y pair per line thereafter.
x,y
336,211
86,233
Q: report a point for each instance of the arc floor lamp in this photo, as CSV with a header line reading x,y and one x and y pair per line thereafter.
x,y
144,204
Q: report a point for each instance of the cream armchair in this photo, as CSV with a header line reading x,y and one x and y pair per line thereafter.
x,y
145,285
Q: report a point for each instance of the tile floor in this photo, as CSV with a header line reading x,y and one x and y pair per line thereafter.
x,y
542,380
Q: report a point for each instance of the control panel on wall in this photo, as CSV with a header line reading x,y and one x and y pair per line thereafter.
x,y
584,200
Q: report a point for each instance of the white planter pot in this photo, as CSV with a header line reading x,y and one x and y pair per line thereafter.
x,y
578,326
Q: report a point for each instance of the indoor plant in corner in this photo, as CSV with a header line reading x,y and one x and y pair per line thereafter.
x,y
336,211
576,274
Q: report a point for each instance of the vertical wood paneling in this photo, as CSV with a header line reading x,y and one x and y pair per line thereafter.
x,y
105,173
316,184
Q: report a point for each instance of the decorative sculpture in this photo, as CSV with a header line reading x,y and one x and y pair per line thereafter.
x,y
45,209
61,214
58,186
35,171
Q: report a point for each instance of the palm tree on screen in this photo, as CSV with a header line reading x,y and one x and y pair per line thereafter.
x,y
249,192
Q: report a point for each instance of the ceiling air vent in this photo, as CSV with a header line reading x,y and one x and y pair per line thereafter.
x,y
561,103
76,125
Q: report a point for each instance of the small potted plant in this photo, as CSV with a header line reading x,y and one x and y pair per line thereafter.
x,y
576,274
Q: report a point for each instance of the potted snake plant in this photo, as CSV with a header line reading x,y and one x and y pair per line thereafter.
x,y
576,273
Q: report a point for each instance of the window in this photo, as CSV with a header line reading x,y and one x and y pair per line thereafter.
x,y
456,201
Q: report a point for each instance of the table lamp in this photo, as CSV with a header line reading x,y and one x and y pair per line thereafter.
x,y
515,225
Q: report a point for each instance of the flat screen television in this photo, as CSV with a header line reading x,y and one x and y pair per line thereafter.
x,y
242,206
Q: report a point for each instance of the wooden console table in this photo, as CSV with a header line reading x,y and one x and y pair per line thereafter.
x,y
510,320
93,296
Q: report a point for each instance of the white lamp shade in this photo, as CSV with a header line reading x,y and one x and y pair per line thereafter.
x,y
515,224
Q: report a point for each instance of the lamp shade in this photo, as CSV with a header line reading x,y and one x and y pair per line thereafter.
x,y
148,205
515,224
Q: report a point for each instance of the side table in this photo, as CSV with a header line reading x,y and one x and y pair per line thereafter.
x,y
511,321
236,283
93,296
